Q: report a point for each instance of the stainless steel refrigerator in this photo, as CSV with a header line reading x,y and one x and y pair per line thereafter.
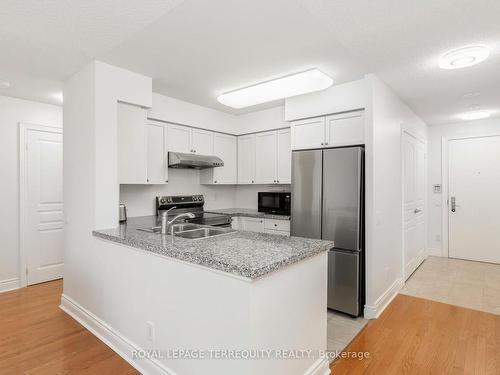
x,y
328,203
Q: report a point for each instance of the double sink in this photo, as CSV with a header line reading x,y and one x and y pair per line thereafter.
x,y
191,231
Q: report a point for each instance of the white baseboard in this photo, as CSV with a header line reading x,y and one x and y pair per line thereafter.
x,y
9,284
374,311
121,345
320,367
435,252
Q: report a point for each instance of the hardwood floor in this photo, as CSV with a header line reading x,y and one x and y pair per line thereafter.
x,y
36,337
413,336
418,336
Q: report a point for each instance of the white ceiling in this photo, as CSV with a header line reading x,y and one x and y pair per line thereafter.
x,y
197,49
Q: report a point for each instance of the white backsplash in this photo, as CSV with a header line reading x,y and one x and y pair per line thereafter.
x,y
140,199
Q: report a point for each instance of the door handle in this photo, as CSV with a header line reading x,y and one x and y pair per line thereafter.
x,y
453,202
417,210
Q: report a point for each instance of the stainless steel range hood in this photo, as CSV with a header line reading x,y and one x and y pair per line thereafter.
x,y
193,161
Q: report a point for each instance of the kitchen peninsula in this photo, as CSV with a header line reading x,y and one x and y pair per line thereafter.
x,y
236,291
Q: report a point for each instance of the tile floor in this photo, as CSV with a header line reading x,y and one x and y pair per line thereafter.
x,y
473,285
341,330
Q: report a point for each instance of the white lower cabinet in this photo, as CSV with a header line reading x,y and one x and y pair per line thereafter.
x,y
274,226
254,224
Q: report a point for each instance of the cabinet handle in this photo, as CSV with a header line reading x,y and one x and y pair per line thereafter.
x,y
215,182
322,144
278,181
252,181
326,143
147,179
275,225
166,180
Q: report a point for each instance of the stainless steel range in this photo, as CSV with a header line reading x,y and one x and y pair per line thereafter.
x,y
194,204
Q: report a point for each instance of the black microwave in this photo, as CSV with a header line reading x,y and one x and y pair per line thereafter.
x,y
274,203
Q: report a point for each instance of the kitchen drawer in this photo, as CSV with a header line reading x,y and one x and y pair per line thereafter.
x,y
283,225
280,232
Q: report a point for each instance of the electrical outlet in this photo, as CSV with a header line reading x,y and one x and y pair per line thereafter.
x,y
150,331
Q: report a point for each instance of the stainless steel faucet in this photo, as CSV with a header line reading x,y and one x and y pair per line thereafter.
x,y
166,224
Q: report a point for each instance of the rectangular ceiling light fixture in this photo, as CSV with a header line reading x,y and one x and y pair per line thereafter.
x,y
280,88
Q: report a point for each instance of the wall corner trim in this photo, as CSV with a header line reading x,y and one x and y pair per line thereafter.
x,y
112,338
9,284
374,311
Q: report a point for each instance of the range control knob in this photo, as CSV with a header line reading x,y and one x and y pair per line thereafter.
x,y
195,198
162,201
169,200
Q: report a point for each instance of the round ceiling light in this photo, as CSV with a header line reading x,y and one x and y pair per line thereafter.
x,y
464,57
475,115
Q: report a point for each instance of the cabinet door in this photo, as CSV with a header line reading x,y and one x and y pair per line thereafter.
x,y
179,138
202,142
246,159
308,133
131,122
252,224
156,157
225,148
345,129
266,152
284,174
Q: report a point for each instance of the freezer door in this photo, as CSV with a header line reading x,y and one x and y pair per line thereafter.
x,y
342,197
343,281
306,194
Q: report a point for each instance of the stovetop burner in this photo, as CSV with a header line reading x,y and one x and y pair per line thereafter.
x,y
190,203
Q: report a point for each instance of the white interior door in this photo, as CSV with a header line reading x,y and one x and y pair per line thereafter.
x,y
43,206
414,167
474,199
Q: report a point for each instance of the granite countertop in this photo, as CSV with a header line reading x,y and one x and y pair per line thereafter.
x,y
248,212
247,254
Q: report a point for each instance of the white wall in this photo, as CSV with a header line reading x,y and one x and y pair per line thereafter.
x,y
91,190
180,112
384,227
268,119
12,112
436,133
139,199
338,98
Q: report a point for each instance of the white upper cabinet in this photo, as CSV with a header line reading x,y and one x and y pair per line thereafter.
x,y
141,148
246,159
345,129
190,140
225,147
266,148
284,164
202,142
308,133
157,168
179,138
132,155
